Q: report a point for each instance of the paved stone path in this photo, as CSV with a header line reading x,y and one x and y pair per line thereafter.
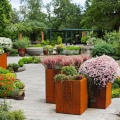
x,y
34,104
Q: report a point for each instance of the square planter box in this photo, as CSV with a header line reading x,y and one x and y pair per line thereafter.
x,y
101,97
3,60
50,84
71,96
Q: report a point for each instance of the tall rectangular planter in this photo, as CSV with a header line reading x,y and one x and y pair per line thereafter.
x,y
3,60
71,96
101,98
50,84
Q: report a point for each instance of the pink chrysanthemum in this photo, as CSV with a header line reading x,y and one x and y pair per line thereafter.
x,y
100,70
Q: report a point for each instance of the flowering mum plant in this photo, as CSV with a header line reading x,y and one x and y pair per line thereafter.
x,y
6,84
100,70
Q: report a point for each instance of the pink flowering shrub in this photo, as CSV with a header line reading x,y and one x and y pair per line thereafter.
x,y
52,62
67,61
100,70
57,62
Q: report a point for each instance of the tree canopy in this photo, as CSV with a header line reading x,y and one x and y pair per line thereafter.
x,y
65,14
102,14
5,16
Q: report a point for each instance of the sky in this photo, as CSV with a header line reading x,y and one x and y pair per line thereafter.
x,y
15,3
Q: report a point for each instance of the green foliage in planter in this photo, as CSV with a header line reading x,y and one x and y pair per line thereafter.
x,y
63,77
23,43
72,47
60,77
69,70
67,73
103,48
50,47
34,45
4,71
19,84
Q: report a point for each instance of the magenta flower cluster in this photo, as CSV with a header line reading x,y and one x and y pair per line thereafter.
x,y
100,70
56,62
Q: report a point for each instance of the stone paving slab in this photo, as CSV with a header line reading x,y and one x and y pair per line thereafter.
x,y
34,104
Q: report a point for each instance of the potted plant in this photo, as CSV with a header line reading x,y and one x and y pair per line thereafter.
x,y
19,85
50,49
50,71
101,72
21,45
13,67
59,49
70,91
45,50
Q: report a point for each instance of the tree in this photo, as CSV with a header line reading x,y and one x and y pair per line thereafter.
x,y
32,10
5,16
15,16
65,14
102,14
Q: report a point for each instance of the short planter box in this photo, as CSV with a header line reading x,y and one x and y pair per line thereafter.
x,y
50,84
101,98
3,60
71,96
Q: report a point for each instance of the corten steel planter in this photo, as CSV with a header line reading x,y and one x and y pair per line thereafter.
x,y
50,84
101,98
71,96
3,60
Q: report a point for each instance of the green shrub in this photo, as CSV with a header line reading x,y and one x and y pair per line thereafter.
x,y
115,93
84,39
117,80
69,70
13,66
59,40
45,42
28,60
115,85
13,52
103,48
17,115
4,71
